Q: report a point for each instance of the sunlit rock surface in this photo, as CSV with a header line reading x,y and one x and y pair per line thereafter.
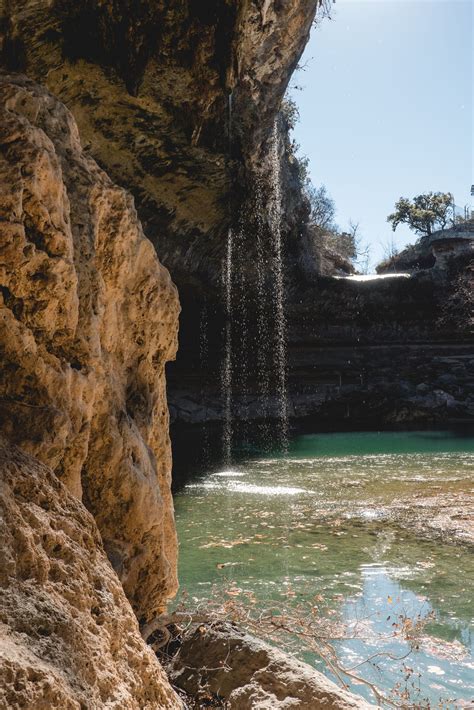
x,y
247,674
437,251
68,637
177,101
88,321
149,85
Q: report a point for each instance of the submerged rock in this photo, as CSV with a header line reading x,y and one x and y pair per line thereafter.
x,y
446,516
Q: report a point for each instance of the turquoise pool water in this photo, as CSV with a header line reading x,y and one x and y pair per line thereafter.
x,y
312,524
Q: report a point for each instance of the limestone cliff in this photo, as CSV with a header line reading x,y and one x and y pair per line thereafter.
x,y
88,321
149,84
177,101
68,637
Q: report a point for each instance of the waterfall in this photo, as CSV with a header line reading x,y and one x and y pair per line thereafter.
x,y
242,315
278,285
226,375
227,365
269,312
203,368
229,122
263,344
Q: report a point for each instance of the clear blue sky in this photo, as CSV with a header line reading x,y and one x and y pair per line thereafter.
x,y
386,107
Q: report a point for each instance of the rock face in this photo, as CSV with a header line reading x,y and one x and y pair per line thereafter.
x,y
438,251
244,673
177,101
378,352
360,353
68,637
88,319
149,85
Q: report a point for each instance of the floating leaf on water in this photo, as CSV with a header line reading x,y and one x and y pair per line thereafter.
x,y
222,565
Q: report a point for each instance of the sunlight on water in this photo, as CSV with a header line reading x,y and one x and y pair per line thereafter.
x,y
252,488
374,277
229,474
318,522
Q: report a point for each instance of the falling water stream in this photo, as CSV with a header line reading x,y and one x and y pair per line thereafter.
x,y
262,344
203,367
278,284
270,342
227,364
226,375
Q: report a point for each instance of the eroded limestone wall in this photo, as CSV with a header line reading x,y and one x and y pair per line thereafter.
x,y
88,319
68,637
148,83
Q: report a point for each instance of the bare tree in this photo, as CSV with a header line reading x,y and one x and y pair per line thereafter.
x,y
323,209
389,248
323,11
361,248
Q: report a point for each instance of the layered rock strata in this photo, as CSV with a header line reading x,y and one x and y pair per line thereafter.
x,y
438,251
388,351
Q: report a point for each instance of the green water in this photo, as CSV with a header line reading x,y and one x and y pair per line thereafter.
x,y
314,522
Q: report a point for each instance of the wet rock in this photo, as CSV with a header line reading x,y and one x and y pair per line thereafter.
x,y
448,378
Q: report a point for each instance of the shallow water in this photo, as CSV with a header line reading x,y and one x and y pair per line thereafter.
x,y
313,523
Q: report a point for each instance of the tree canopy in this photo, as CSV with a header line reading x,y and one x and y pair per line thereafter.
x,y
424,213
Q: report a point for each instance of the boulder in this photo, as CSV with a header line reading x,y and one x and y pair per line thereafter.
x,y
245,673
